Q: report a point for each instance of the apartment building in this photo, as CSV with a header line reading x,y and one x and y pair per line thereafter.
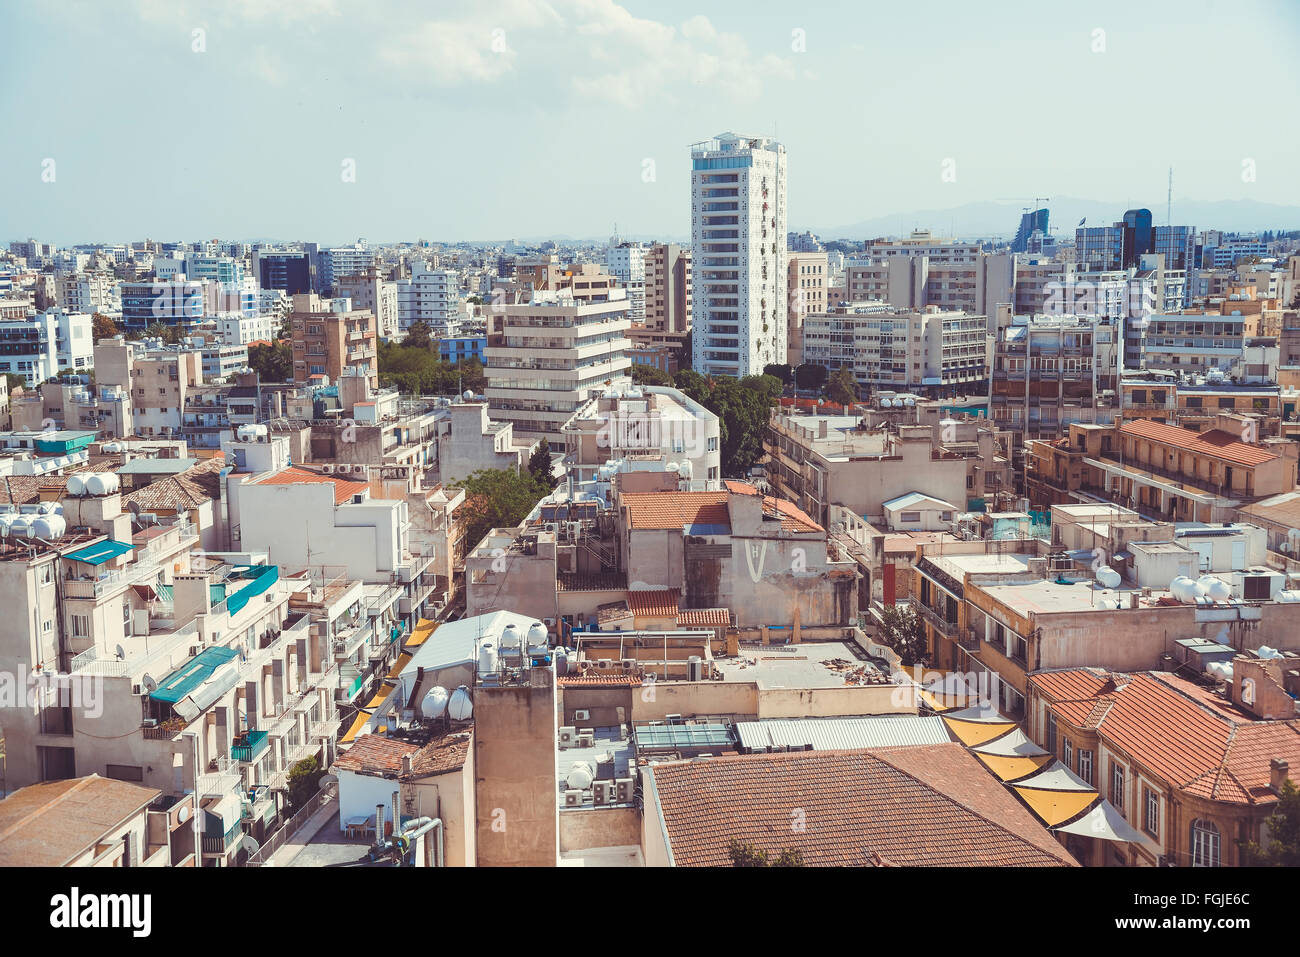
x,y
806,281
934,352
289,272
429,295
738,244
1163,470
343,261
468,440
1127,241
923,270
545,357
1193,402
88,292
333,341
645,424
158,382
41,346
586,282
370,291
1048,372
179,302
626,262
668,289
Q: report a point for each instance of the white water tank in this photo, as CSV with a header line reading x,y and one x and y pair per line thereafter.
x,y
580,775
76,485
886,404
671,467
1283,596
1220,669
1108,603
1293,539
510,640
102,483
910,401
537,637
1107,577
461,705
435,702
20,527
686,470
49,527
487,658
1185,590
1215,588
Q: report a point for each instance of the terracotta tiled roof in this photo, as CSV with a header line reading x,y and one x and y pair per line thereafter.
x,y
1193,745
1215,442
375,754
731,485
187,489
704,617
659,603
793,518
933,805
675,509
48,824
597,680
295,474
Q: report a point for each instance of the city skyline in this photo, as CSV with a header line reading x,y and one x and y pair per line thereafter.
x,y
270,124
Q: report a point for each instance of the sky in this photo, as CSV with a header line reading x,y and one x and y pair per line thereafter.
x,y
329,120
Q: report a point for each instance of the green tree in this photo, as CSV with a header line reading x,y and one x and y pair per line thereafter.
x,y
498,498
304,782
1283,846
102,327
744,854
743,407
14,382
901,630
539,464
810,376
167,333
273,362
643,374
843,388
419,335
783,372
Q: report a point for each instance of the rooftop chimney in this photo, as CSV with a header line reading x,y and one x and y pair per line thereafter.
x,y
406,764
1278,771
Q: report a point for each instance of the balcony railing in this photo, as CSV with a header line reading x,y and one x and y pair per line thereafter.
x,y
942,624
222,844
255,742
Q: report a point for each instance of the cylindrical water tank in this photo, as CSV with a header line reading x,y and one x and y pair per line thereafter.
x,y
886,404
1284,596
49,527
561,662
510,638
1108,603
461,705
910,401
537,637
435,702
76,485
469,394
1108,577
487,658
102,483
671,467
580,775
1220,669
686,470
20,527
1215,588
1185,590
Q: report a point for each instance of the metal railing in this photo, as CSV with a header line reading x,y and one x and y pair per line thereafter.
x,y
322,799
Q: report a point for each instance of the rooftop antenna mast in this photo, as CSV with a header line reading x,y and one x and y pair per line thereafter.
x,y
1169,200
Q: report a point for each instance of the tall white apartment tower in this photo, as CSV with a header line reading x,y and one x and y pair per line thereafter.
x,y
738,247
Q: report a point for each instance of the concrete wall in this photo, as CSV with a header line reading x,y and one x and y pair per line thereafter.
x,y
583,828
835,702
514,735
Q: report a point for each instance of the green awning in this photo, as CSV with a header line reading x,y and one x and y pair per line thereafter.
x,y
192,674
100,552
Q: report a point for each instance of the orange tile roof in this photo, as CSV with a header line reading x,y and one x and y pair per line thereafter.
x,y
1215,442
707,617
675,509
1194,746
375,754
660,603
296,474
793,518
731,485
597,680
931,805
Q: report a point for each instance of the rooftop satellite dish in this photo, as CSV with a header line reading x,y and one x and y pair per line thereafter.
x,y
149,684
120,652
249,845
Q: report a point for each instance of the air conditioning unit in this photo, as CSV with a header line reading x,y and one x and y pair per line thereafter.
x,y
624,789
150,722
568,738
582,714
604,792
604,664
586,739
572,798
629,664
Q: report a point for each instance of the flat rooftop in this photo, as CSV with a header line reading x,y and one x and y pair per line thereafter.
x,y
821,664
958,566
1049,597
611,756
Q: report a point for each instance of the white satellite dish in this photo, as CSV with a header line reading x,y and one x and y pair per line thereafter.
x,y
149,684
120,652
183,815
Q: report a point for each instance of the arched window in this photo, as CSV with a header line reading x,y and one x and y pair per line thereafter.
x,y
1205,844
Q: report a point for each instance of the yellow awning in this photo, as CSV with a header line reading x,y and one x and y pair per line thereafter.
x,y
974,733
1056,807
1012,768
940,702
420,634
357,725
402,661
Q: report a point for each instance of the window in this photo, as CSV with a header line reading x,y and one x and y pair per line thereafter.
x,y
124,772
909,517
1068,753
80,626
1117,786
1051,733
1152,822
1205,844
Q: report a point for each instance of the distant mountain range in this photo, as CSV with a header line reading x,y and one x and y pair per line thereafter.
x,y
992,219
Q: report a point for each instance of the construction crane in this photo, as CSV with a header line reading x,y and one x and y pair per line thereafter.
x,y
1038,201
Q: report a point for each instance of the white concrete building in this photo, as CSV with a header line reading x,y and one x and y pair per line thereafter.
x,y
40,346
738,245
544,359
626,263
429,295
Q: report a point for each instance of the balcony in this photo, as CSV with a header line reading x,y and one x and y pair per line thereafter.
x,y
936,620
222,844
249,746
